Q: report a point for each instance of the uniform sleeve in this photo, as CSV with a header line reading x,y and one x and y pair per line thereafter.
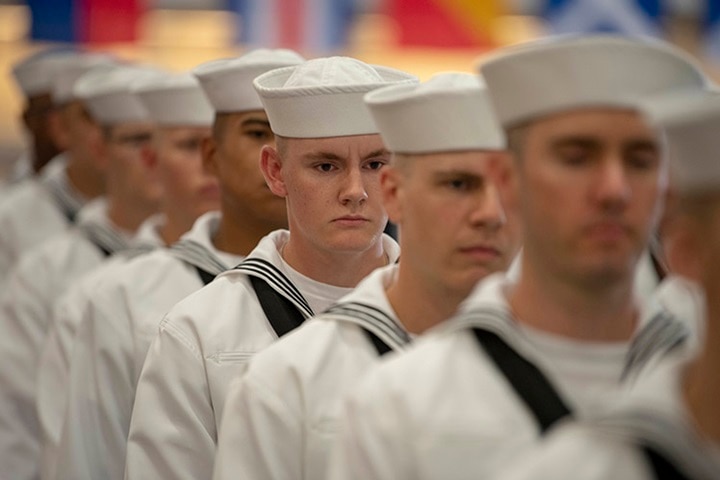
x,y
53,376
100,394
23,321
260,435
373,442
172,430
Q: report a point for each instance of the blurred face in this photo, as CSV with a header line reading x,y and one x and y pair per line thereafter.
x,y
454,230
82,135
332,189
36,118
235,160
189,190
127,173
591,185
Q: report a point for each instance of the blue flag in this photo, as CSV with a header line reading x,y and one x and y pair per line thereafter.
x,y
712,30
628,17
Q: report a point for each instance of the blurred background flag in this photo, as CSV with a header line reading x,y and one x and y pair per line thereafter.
x,y
631,17
445,23
309,26
712,29
85,21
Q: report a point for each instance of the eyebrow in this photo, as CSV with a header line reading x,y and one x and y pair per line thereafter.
x,y
454,173
585,142
255,121
334,156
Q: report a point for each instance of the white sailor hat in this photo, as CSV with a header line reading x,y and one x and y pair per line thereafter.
x,y
227,83
66,72
175,100
33,74
107,93
563,73
323,97
691,122
449,112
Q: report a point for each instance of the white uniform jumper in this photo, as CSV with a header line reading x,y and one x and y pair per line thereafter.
x,y
613,445
280,418
25,312
119,320
52,376
204,343
465,419
35,210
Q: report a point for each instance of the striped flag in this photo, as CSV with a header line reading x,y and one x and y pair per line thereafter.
x,y
445,23
85,21
629,17
309,26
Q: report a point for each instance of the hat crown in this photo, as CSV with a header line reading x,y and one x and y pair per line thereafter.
x,y
228,83
333,71
327,90
449,112
174,100
691,121
551,75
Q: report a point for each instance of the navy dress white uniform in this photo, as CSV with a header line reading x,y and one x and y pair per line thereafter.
x,y
121,317
281,417
27,303
35,210
68,308
25,311
206,340
182,97
472,421
454,406
656,433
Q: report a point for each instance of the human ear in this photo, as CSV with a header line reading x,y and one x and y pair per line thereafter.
x,y
271,166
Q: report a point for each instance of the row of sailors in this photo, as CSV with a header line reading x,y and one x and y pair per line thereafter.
x,y
133,349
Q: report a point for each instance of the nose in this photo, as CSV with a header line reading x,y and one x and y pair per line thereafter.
x,y
353,188
490,212
613,189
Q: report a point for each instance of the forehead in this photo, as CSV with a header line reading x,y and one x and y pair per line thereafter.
x,y
600,124
239,117
471,162
340,147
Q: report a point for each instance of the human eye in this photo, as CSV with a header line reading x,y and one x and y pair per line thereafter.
x,y
189,144
461,184
260,134
642,159
375,164
325,167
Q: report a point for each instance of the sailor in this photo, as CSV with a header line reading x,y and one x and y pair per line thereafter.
x,y
33,78
35,210
326,164
105,226
669,426
181,117
123,314
281,416
589,180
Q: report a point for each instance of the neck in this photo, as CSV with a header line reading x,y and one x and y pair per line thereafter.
x,y
175,226
419,305
128,219
701,388
85,180
238,234
340,269
568,308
